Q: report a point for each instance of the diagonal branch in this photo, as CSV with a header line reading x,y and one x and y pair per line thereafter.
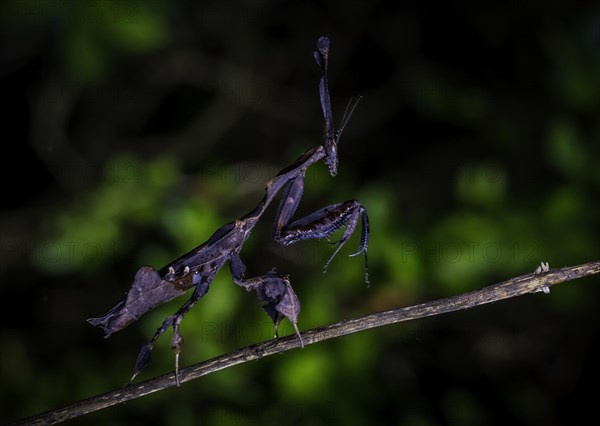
x,y
529,283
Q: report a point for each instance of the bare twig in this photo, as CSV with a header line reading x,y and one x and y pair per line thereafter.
x,y
538,281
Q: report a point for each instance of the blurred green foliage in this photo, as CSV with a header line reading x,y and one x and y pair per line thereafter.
x,y
120,201
475,152
90,33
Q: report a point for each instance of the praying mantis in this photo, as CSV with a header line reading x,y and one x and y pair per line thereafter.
x,y
197,268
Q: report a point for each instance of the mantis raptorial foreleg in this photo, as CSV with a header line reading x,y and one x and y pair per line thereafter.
x,y
324,222
320,224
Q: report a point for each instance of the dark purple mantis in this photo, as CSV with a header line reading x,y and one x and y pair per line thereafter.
x,y
197,269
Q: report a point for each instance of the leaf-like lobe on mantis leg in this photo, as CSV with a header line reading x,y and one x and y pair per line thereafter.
x,y
289,306
275,289
147,292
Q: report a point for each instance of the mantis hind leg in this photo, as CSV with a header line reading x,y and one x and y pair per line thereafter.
x,y
201,281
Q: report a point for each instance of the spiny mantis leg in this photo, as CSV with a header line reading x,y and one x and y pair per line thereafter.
x,y
274,289
201,280
321,223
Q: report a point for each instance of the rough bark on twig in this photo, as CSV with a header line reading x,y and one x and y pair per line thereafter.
x,y
529,283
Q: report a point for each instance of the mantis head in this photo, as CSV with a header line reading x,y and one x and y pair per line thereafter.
x,y
331,159
331,142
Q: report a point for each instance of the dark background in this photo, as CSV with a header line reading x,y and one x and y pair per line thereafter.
x,y
132,130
